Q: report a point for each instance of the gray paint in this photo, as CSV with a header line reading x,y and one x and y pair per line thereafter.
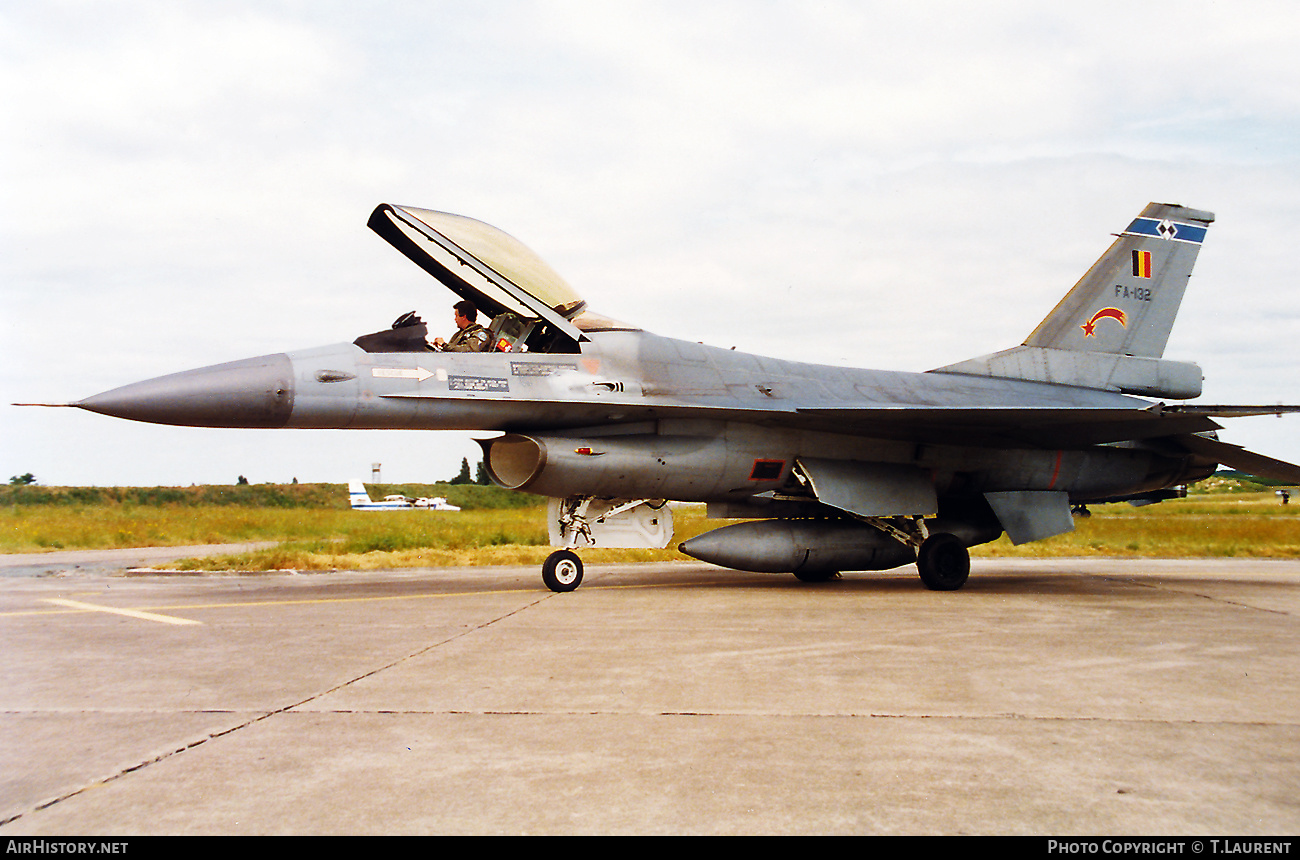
x,y
603,409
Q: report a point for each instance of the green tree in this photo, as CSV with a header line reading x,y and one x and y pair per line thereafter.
x,y
481,474
463,477
242,480
29,478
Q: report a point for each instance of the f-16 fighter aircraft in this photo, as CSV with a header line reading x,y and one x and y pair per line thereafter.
x,y
833,469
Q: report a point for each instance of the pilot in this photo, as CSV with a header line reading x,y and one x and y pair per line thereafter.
x,y
469,336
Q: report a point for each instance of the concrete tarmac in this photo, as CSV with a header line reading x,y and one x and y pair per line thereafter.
x,y
1052,697
113,560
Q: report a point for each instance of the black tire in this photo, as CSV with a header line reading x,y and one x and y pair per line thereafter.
x,y
562,571
944,563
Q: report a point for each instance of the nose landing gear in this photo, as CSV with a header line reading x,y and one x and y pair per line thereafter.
x,y
562,571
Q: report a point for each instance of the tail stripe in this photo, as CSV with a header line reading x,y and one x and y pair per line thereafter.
x,y
1167,229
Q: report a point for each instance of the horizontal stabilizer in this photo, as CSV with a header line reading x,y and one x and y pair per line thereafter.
x,y
1228,411
1242,460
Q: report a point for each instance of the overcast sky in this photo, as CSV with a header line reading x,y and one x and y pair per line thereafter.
x,y
884,185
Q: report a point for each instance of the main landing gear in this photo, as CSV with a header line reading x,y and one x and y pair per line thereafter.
x,y
943,562
941,558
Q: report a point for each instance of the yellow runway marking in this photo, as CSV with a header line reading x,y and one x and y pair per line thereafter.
x,y
153,616
310,601
131,613
168,619
442,595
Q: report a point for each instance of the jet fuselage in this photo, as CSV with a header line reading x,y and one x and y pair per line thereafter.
x,y
639,415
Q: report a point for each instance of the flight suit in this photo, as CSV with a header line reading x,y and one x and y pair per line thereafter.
x,y
472,338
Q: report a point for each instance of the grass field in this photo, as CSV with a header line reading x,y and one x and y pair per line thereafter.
x,y
316,531
1252,525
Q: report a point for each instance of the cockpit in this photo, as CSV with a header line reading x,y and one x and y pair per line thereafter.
x,y
527,305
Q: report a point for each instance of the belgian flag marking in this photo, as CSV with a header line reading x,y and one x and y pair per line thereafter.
x,y
1142,264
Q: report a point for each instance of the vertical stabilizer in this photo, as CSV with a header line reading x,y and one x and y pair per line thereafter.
x,y
357,494
1110,330
1126,303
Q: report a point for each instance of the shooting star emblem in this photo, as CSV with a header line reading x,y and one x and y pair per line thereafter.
x,y
1111,313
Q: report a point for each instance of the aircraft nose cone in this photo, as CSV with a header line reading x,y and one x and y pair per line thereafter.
x,y
252,392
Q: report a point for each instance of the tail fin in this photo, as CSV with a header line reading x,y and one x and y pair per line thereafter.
x,y
1127,302
357,494
1110,330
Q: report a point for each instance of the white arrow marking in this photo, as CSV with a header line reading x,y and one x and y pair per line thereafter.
x,y
419,373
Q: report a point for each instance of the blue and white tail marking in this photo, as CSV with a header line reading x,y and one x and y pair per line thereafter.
x,y
1171,230
361,500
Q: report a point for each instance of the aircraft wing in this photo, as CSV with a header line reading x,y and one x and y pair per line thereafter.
x,y
977,426
1039,427
1067,427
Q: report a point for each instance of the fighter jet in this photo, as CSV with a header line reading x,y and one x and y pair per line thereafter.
x,y
831,469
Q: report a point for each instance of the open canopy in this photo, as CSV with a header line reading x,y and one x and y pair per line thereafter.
x,y
478,262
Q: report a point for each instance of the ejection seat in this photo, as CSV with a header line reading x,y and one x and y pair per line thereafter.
x,y
508,333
